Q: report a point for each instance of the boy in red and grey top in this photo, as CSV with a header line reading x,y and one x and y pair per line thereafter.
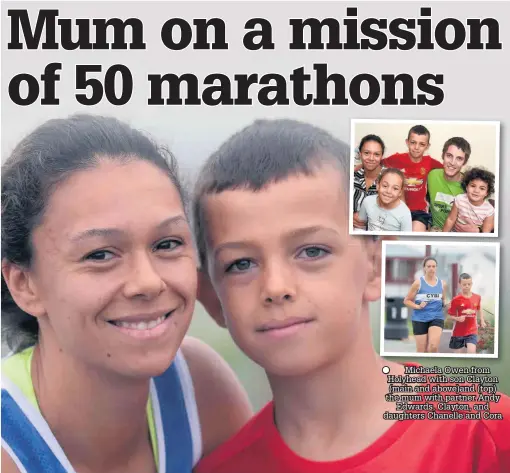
x,y
416,168
464,309
409,445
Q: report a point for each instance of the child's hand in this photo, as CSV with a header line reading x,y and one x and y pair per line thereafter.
x,y
461,318
422,305
468,227
483,324
448,304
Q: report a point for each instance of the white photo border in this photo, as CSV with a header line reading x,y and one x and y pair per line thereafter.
x,y
421,243
352,147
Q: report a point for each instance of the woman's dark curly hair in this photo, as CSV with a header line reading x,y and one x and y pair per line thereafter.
x,y
482,174
43,159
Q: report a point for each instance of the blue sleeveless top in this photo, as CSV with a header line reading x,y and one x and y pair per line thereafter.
x,y
28,440
433,296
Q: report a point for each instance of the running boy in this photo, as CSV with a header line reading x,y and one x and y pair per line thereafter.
x,y
272,232
385,211
472,207
416,167
463,310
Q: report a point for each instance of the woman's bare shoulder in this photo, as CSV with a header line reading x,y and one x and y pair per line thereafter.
x,y
223,405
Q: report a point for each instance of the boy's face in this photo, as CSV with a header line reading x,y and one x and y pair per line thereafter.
x,y
477,190
417,145
466,285
291,280
453,160
390,188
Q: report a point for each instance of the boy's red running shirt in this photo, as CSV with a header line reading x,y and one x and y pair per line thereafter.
x,y
416,177
408,446
459,304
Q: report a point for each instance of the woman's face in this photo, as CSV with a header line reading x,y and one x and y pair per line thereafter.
x,y
430,268
114,269
371,155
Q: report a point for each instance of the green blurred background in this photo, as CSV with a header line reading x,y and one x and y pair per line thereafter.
x,y
254,380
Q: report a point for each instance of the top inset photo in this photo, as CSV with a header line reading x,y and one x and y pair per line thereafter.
x,y
424,177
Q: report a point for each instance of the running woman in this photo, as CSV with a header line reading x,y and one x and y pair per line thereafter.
x,y
427,298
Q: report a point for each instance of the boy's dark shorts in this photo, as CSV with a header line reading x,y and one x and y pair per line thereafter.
x,y
422,328
461,342
422,216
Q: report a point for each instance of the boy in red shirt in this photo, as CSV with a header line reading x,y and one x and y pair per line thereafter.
x,y
463,310
271,225
416,167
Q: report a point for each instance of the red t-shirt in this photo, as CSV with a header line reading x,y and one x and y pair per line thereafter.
x,y
460,304
416,177
408,446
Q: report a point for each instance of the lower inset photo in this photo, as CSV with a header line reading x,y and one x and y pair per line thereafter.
x,y
440,299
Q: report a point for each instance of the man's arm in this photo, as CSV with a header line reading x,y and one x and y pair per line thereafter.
x,y
469,227
452,217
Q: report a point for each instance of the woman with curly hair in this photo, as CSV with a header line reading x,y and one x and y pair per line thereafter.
x,y
473,207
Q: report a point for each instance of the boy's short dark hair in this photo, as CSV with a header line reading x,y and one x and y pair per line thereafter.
x,y
263,153
396,171
419,130
484,175
460,143
464,276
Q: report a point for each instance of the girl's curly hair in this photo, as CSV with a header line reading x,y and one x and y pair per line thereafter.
x,y
484,175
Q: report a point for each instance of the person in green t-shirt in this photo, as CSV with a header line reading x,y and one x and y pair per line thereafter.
x,y
444,184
